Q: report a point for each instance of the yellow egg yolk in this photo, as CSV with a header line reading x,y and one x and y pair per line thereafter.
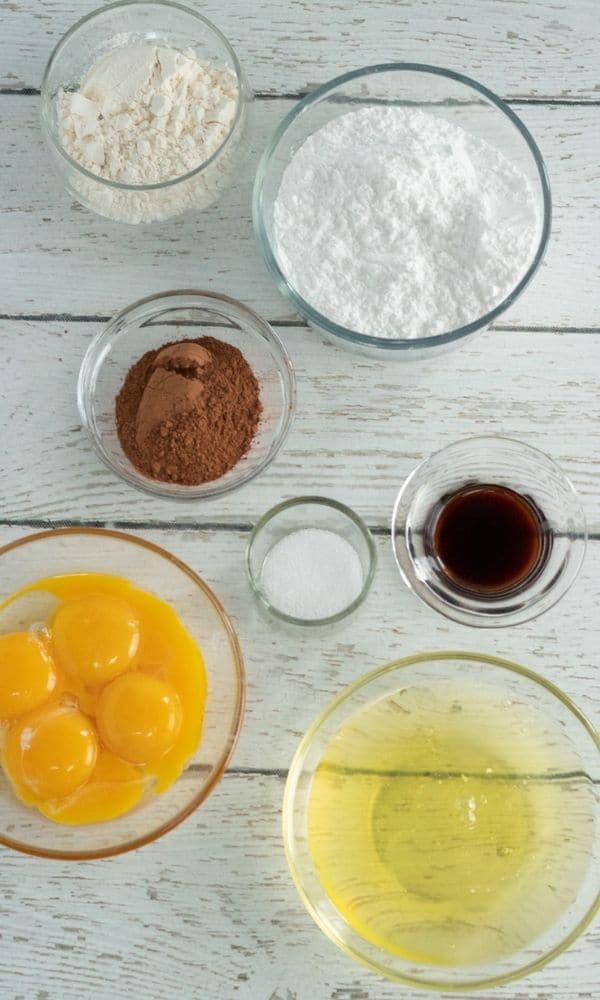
x,y
120,709
51,753
139,717
114,788
95,637
27,673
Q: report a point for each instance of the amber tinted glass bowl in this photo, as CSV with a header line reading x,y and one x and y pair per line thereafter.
x,y
78,550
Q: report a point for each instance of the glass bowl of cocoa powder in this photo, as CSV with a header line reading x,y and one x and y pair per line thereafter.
x,y
187,394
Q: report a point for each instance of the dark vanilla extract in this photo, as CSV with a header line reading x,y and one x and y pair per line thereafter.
x,y
488,539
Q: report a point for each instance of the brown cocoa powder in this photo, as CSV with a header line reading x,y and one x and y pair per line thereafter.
x,y
187,412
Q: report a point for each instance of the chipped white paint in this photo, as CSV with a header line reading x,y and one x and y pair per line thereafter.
x,y
292,673
521,49
86,265
210,914
210,911
381,420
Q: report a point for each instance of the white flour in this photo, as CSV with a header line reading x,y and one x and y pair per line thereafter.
x,y
396,223
146,114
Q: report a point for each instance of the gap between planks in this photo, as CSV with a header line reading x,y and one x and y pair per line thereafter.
x,y
254,772
282,773
243,527
301,94
289,324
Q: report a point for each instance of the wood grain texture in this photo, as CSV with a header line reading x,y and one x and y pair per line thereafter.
x,y
381,419
536,48
292,673
57,257
208,912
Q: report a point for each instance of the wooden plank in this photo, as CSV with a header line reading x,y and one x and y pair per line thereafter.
x,y
56,257
381,419
210,908
519,49
292,673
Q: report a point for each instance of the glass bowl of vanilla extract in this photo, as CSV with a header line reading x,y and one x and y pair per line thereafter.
x,y
489,532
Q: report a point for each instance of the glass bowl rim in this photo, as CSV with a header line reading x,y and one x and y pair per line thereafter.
x,y
173,181
93,359
341,508
355,336
238,715
443,656
474,617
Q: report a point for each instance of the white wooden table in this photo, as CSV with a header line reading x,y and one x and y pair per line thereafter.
x,y
209,911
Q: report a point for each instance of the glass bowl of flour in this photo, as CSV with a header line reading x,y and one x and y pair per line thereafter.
x,y
145,108
401,208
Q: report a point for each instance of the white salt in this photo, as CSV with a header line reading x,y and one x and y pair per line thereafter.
x,y
312,573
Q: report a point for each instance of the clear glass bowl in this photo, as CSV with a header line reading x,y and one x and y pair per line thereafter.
x,y
157,320
571,758
87,550
446,94
296,515
157,23
503,462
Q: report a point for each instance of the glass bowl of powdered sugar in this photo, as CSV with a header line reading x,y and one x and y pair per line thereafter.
x,y
145,107
311,561
401,208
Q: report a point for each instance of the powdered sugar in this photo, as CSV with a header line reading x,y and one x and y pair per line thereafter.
x,y
397,223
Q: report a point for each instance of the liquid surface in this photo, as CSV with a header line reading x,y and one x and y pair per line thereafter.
x,y
488,538
431,841
102,703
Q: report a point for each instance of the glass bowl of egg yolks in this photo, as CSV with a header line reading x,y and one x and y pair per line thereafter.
x,y
121,693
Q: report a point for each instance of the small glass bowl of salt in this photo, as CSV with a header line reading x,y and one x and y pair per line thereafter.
x,y
311,561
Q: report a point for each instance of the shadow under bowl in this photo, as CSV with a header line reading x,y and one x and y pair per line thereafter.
x,y
156,22
501,462
377,804
150,568
183,315
441,92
